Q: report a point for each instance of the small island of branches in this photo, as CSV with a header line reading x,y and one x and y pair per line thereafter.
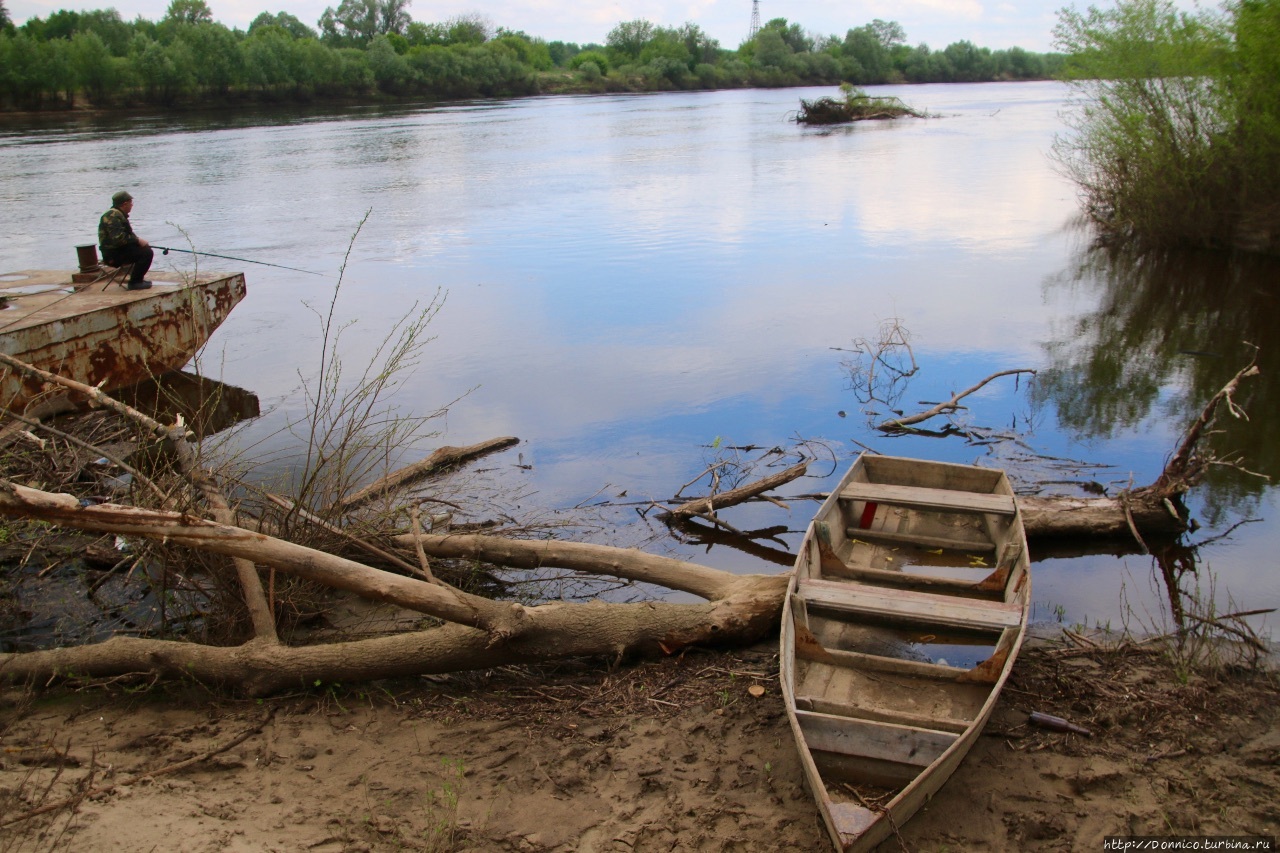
x,y
853,105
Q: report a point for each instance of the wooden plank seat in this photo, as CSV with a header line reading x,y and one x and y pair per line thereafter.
x,y
930,608
919,496
923,541
823,705
889,577
871,739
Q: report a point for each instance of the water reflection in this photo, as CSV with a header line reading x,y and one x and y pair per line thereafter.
x,y
1164,332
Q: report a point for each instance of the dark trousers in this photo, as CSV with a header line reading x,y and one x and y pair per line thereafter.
x,y
134,254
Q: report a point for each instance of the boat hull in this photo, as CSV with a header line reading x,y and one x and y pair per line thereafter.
x,y
906,564
104,335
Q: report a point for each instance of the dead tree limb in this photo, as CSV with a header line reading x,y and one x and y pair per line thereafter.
x,y
442,458
561,631
255,597
1187,465
740,609
1154,509
364,545
332,571
105,454
709,504
626,563
947,407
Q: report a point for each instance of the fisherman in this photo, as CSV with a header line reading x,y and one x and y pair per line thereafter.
x,y
120,245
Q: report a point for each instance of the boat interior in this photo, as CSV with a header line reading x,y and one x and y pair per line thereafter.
x,y
909,599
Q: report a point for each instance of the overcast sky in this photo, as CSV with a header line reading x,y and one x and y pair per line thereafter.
x,y
986,23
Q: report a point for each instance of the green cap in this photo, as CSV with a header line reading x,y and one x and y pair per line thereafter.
x,y
120,198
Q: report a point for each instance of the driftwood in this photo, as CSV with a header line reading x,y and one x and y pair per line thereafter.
x,y
895,424
706,506
1100,518
442,458
483,633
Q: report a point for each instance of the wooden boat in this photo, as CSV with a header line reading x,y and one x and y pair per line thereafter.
x,y
101,334
907,607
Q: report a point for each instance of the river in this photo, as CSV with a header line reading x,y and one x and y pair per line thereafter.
x,y
634,283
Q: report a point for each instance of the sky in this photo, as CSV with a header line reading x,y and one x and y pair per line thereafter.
x,y
987,23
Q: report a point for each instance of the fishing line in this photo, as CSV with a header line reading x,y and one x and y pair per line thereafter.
x,y
167,249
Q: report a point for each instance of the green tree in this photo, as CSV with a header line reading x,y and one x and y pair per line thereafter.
x,y
1178,133
188,12
390,70
468,29
358,22
6,23
60,25
890,34
630,38
265,56
286,22
115,33
702,48
792,34
562,52
969,62
94,67
166,71
216,56
530,51
867,45
772,50
596,57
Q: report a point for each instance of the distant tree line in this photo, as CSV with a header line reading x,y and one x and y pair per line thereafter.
x,y
372,48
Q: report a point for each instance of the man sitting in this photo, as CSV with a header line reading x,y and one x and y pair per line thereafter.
x,y
120,245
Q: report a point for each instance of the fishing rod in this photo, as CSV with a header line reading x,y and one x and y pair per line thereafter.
x,y
167,249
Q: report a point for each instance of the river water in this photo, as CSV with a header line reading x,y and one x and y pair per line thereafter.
x,y
634,283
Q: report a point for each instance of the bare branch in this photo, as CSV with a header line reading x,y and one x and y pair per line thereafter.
x,y
442,458
709,504
947,407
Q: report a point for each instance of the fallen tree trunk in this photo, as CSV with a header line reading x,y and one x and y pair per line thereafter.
x,y
486,633
439,460
561,631
1100,518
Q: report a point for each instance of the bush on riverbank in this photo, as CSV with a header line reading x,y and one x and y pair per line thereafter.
x,y
1177,139
96,59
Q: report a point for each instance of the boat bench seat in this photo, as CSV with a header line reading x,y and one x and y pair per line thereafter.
x,y
931,608
943,499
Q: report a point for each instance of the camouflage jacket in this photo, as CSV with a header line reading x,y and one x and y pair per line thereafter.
x,y
114,231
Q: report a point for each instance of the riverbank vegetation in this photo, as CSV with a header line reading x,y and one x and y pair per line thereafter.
x,y
1176,139
374,50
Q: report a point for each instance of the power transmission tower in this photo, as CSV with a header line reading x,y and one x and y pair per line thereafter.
x,y
755,19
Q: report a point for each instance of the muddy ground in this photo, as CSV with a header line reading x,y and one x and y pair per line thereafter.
x,y
671,755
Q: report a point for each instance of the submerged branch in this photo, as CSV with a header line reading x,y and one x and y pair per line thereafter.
x,y
441,459
947,407
709,504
